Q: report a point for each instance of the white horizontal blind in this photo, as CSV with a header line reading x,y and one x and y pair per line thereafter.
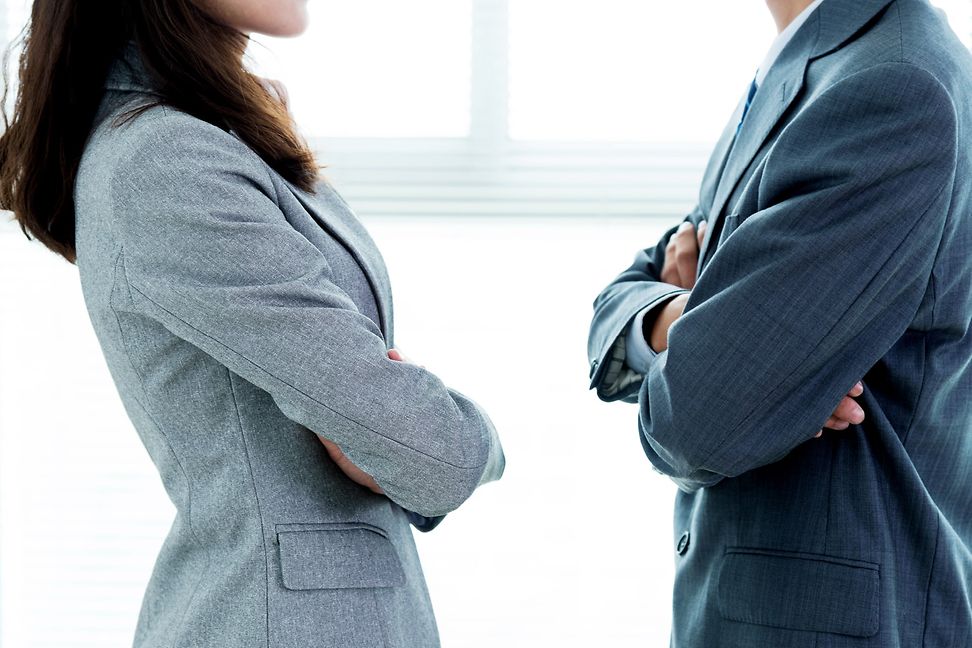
x,y
556,180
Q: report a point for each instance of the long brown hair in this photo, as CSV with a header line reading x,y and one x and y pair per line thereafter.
x,y
194,62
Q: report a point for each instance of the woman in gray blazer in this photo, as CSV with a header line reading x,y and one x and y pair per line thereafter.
x,y
246,317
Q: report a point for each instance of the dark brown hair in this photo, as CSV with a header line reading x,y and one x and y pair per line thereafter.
x,y
195,64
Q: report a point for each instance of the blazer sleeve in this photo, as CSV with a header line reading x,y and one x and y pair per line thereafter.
x,y
814,287
639,287
208,253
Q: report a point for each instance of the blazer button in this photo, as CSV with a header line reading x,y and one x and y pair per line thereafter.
x,y
683,543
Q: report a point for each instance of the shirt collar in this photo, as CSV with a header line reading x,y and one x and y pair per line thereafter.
x,y
782,40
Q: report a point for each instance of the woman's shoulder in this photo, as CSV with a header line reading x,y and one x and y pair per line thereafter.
x,y
155,136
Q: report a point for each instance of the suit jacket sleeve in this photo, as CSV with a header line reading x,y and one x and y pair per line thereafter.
x,y
814,287
637,288
209,255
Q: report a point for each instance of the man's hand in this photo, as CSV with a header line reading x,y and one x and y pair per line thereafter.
x,y
847,412
658,335
354,473
682,255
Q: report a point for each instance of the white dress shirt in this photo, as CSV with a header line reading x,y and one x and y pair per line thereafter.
x,y
638,353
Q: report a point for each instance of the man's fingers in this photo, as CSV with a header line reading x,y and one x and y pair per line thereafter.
x,y
669,272
835,423
682,254
849,410
686,254
857,389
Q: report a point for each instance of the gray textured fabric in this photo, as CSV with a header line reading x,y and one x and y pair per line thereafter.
x,y
837,249
240,316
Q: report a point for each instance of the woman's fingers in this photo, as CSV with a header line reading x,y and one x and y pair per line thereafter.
x,y
353,473
700,232
398,356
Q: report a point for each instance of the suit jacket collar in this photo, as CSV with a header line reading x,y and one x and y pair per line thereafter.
x,y
831,25
839,20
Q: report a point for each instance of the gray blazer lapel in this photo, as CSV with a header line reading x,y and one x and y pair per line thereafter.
x,y
355,238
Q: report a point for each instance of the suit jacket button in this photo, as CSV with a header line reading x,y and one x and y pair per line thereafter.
x,y
683,543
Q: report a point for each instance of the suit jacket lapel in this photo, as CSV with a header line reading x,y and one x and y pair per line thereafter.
x,y
355,238
832,24
777,92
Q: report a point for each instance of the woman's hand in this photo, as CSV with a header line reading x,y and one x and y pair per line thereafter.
x,y
398,356
354,473
682,255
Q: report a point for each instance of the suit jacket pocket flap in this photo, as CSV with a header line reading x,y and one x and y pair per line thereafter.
x,y
800,591
337,555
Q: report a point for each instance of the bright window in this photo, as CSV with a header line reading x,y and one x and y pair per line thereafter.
x,y
631,70
377,68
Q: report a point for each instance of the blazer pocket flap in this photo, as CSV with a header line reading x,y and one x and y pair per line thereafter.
x,y
799,591
338,555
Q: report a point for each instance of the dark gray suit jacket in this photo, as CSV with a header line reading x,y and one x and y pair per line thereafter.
x,y
838,248
240,316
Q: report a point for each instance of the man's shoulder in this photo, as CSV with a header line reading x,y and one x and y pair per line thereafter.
x,y
929,42
910,34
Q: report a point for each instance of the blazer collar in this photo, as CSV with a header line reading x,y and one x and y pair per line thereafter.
x,y
831,25
127,72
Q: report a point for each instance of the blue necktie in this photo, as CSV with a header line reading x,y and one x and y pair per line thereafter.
x,y
749,101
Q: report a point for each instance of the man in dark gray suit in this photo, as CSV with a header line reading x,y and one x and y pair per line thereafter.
x,y
831,287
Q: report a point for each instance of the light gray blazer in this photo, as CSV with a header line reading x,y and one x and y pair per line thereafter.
x,y
240,316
